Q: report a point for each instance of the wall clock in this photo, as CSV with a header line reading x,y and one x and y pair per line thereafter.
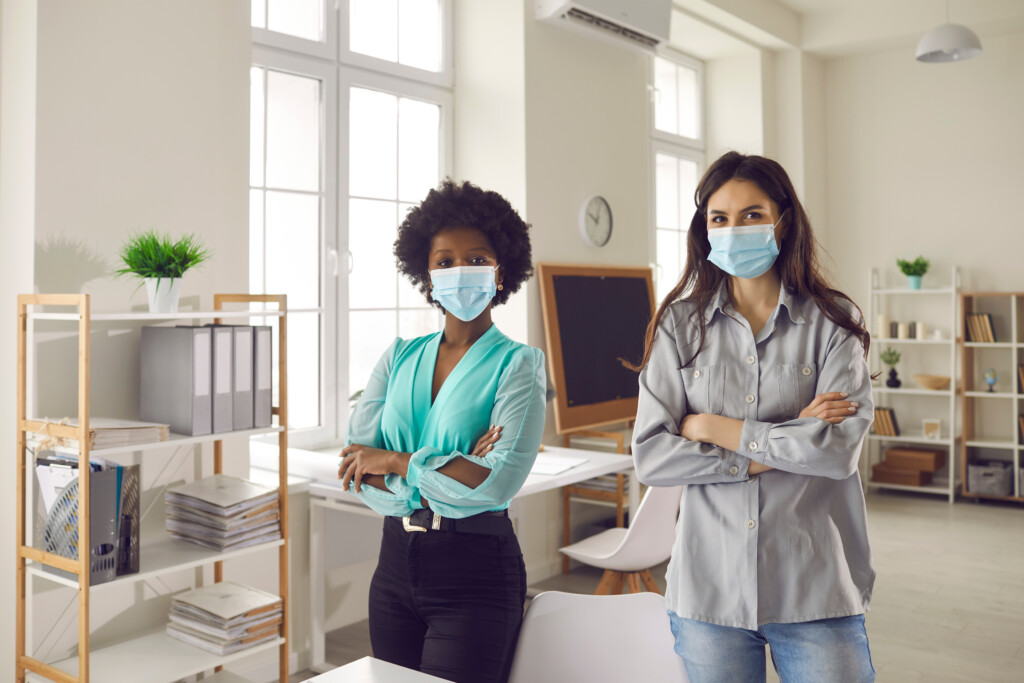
x,y
596,221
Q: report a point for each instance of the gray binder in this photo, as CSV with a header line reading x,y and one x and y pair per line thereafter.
x,y
223,380
244,369
175,378
262,383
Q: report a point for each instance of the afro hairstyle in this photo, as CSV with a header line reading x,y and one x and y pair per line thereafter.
x,y
453,204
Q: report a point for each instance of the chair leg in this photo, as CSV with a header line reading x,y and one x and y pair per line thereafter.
x,y
649,582
633,581
610,584
565,528
620,517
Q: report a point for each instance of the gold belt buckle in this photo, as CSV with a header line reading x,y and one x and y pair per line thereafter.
x,y
435,524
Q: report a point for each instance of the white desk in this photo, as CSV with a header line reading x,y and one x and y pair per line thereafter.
x,y
329,496
370,670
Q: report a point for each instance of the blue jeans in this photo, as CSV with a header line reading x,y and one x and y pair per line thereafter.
x,y
828,650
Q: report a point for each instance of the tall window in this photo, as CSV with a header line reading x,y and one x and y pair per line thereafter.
x,y
350,121
677,157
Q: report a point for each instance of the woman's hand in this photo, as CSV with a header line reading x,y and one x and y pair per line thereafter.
x,y
485,444
359,461
830,407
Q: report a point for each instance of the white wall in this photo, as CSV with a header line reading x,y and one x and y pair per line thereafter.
x,y
927,159
141,124
17,209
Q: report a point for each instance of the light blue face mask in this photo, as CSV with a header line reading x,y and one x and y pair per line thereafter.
x,y
743,251
464,291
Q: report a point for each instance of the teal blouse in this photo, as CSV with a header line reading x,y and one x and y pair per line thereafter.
x,y
497,382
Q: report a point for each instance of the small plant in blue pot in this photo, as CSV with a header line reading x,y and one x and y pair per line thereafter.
x,y
914,270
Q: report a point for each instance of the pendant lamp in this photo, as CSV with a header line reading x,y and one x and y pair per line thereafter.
x,y
948,43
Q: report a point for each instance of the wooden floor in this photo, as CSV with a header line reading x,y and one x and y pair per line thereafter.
x,y
948,602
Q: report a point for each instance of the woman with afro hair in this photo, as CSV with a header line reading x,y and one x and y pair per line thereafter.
x,y
444,435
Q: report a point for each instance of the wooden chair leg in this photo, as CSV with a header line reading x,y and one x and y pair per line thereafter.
x,y
565,528
649,582
620,515
633,580
610,583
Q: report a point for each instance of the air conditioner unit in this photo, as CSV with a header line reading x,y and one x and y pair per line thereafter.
x,y
640,24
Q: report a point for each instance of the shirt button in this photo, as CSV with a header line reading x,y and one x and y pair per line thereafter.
x,y
696,374
750,398
751,480
751,524
734,469
751,359
807,371
752,446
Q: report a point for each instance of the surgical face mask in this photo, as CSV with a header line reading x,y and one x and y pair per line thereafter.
x,y
464,291
744,251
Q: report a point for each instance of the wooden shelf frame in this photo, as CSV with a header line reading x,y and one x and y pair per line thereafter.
x,y
969,303
77,669
872,450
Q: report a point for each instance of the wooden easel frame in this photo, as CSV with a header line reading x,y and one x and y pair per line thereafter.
x,y
575,418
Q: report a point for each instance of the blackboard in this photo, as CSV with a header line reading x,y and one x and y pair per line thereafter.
x,y
593,316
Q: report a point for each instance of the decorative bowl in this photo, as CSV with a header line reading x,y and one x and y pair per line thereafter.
x,y
936,382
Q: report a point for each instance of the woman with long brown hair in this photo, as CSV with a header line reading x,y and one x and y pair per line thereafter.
x,y
755,394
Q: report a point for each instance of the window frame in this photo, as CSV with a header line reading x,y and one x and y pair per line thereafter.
x,y
337,68
699,143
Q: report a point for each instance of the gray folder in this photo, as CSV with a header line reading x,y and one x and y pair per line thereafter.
x,y
223,380
243,408
262,383
175,378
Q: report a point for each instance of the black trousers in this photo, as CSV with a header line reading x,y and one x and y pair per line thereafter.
x,y
448,603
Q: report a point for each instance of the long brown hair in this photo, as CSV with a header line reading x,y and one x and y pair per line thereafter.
x,y
797,262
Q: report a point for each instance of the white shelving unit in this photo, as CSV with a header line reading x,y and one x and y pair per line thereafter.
x,y
884,299
152,656
984,441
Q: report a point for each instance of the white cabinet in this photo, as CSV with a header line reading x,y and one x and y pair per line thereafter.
x,y
933,354
150,656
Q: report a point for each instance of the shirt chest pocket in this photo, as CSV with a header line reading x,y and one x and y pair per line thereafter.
x,y
797,384
705,388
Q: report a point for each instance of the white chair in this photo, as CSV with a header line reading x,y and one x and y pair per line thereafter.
x,y
567,637
627,555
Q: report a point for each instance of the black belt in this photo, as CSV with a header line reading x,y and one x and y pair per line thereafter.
x,y
495,523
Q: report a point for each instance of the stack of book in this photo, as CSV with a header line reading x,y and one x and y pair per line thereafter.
x,y
979,327
223,512
909,466
885,422
225,617
107,432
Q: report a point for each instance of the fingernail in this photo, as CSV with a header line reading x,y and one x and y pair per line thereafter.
x,y
854,403
843,394
852,409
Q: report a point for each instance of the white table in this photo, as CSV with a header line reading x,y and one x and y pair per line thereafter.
x,y
329,496
370,670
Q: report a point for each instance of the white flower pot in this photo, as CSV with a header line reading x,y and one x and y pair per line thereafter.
x,y
163,294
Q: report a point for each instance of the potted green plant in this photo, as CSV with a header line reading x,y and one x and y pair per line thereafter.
x,y
914,270
891,357
161,263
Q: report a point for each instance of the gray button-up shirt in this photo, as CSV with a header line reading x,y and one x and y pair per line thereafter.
x,y
790,544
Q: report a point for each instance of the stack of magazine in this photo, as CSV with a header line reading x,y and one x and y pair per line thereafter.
x,y
223,513
225,617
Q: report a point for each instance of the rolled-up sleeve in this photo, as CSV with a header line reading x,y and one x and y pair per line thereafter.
x,y
810,445
661,455
364,429
519,410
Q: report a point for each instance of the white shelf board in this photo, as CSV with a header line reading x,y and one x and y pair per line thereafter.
x,y
153,658
940,490
143,317
914,392
893,340
989,345
178,440
907,290
159,556
991,443
913,438
989,394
